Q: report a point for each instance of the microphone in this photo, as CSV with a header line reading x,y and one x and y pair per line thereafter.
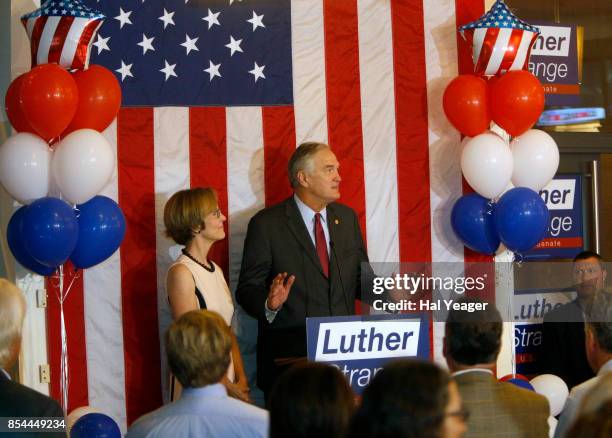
x,y
333,250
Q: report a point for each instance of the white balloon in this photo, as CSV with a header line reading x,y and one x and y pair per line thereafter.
x,y
536,159
78,413
554,389
82,165
486,163
25,167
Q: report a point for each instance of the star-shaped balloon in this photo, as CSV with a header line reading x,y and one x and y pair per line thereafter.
x,y
62,32
500,41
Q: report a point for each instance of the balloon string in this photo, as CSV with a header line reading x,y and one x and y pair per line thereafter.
x,y
64,376
490,205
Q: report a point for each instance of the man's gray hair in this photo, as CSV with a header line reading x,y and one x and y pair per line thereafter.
x,y
12,313
600,319
302,160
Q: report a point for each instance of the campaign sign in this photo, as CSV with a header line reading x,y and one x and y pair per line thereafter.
x,y
529,308
554,60
563,239
359,346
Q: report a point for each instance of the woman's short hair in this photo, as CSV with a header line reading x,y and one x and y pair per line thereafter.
x,y
198,346
310,400
406,398
12,313
185,212
302,159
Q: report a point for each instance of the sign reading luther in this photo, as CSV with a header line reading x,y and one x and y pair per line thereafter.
x,y
360,346
554,60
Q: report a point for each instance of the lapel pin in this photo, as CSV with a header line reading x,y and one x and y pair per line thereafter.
x,y
336,221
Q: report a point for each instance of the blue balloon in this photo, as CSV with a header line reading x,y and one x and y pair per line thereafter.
x,y
15,242
473,223
521,219
521,384
49,231
95,425
101,231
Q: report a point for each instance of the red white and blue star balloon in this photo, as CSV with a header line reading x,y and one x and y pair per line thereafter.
x,y
500,41
62,32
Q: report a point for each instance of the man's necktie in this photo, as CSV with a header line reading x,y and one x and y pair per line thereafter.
x,y
321,244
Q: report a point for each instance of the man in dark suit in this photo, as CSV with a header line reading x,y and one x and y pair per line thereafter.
x,y
472,342
302,258
563,348
17,400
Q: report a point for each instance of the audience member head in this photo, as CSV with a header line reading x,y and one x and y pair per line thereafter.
x,y
472,339
186,213
12,313
596,424
598,330
310,400
410,399
313,174
198,346
589,274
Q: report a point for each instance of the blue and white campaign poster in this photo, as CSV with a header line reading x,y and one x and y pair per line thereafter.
x,y
529,307
563,239
360,345
554,61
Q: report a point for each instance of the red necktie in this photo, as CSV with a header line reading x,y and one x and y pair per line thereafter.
x,y
321,245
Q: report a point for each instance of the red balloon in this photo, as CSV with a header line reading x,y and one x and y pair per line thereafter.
x,y
12,104
466,105
49,98
517,100
513,376
99,99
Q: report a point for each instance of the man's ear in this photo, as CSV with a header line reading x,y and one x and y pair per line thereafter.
x,y
302,178
590,339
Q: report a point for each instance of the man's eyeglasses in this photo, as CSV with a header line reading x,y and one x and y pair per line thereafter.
x,y
587,271
216,213
462,414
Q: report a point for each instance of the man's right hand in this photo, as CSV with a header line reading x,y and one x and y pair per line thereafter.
x,y
279,290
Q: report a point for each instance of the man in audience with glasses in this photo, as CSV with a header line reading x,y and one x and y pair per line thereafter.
x,y
563,348
471,344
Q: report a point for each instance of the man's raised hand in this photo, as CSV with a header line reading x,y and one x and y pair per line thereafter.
x,y
279,290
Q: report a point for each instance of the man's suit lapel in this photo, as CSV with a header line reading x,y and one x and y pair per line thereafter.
x,y
298,228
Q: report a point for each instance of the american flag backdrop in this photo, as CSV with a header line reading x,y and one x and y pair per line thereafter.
x,y
219,93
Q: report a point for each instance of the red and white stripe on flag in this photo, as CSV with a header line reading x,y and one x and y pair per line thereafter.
x,y
368,79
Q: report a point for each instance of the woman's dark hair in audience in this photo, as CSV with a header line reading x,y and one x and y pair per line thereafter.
x,y
310,400
405,399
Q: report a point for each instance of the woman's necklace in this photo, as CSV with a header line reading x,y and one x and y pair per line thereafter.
x,y
209,269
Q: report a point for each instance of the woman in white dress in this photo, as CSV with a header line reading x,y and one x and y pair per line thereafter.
x,y
192,218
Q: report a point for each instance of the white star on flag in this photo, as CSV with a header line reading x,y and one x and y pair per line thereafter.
x,y
256,21
234,45
167,18
123,17
168,70
212,18
146,44
190,44
125,70
232,1
257,72
102,43
213,70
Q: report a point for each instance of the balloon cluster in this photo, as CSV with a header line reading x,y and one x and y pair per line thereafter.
x,y
503,92
58,117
